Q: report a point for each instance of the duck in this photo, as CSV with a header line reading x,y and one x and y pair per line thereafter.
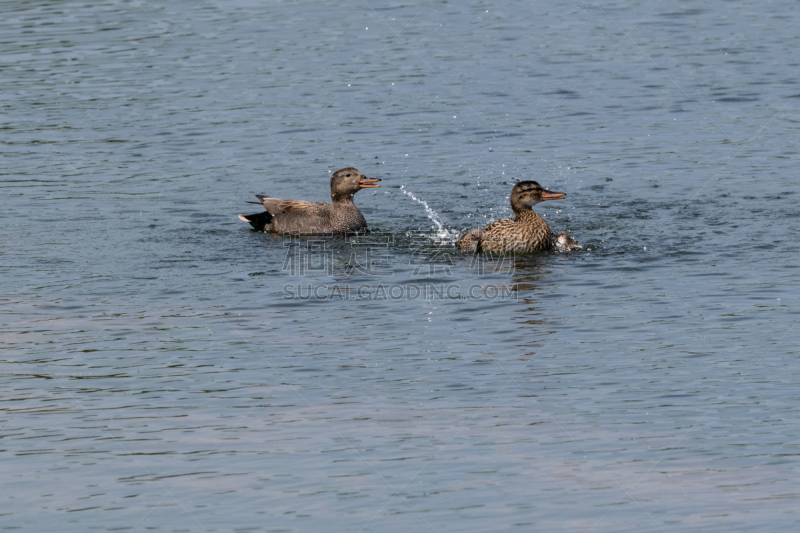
x,y
298,217
565,243
526,232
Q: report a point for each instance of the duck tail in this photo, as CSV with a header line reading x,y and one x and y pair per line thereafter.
x,y
259,221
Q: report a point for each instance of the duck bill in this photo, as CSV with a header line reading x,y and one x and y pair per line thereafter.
x,y
550,195
368,183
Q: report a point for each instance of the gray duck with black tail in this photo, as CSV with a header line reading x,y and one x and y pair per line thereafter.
x,y
298,217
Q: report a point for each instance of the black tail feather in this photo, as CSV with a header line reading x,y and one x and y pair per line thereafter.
x,y
259,220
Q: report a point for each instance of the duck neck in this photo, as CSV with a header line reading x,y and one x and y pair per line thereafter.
x,y
342,199
529,216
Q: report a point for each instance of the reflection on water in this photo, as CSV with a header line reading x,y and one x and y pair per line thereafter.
x,y
157,375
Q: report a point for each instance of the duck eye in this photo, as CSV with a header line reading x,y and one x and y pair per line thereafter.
x,y
348,175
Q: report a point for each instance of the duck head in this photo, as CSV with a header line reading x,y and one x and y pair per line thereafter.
x,y
348,181
526,194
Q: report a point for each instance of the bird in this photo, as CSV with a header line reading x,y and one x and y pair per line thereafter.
x,y
298,217
526,232
565,243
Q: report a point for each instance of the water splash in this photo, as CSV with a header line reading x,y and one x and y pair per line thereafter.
x,y
442,233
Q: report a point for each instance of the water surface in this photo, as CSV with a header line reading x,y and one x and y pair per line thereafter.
x,y
156,377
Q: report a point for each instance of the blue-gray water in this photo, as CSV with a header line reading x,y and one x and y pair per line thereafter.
x,y
155,377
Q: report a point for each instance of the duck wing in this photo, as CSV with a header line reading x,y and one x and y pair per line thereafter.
x,y
470,240
276,206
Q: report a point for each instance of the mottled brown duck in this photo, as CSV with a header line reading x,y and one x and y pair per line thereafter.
x,y
526,232
298,217
564,243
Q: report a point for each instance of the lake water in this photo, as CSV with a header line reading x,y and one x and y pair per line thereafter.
x,y
166,368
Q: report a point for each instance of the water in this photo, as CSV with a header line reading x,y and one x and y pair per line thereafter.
x,y
440,234
156,377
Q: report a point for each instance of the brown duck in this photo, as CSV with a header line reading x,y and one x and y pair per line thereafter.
x,y
298,217
526,232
